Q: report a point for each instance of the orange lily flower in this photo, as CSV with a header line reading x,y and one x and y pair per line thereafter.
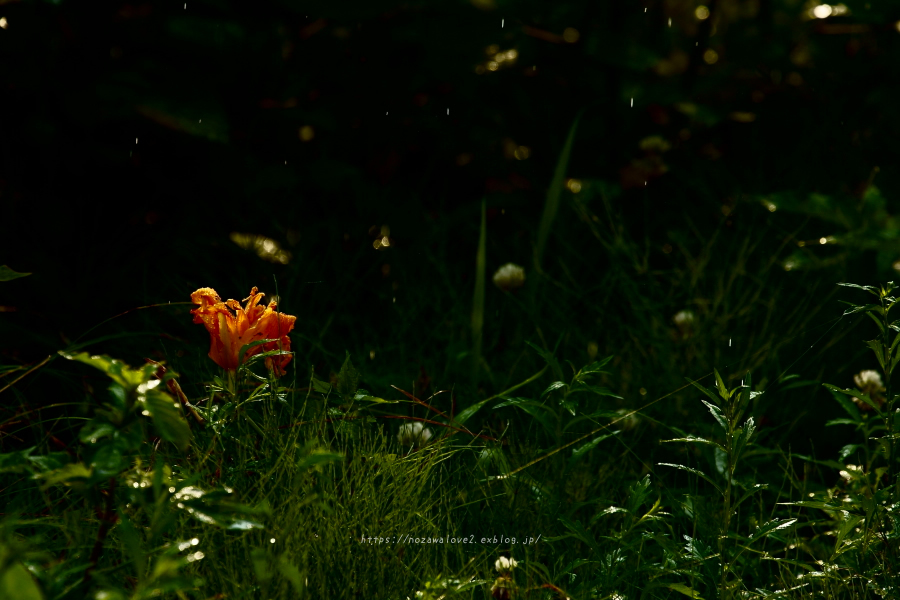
x,y
229,332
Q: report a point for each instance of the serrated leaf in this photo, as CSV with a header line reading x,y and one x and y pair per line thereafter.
x,y
597,366
700,474
553,386
717,414
866,288
771,527
7,274
694,439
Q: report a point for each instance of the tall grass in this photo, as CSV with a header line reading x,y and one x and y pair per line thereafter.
x,y
627,454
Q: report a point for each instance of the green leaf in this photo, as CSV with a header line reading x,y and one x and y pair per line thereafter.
x,y
743,438
467,413
580,451
846,527
549,358
600,391
553,386
684,589
168,418
840,394
637,494
771,527
95,430
855,308
247,347
696,440
866,288
15,462
596,367
75,474
816,504
290,572
477,321
578,530
116,369
348,379
131,539
110,459
321,387
700,474
878,349
752,490
261,567
708,393
16,582
7,274
723,391
541,413
717,414
318,457
216,508
554,192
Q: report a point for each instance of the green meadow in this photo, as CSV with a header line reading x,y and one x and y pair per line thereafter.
x,y
537,309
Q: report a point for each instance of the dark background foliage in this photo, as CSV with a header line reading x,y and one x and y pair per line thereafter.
x,y
138,136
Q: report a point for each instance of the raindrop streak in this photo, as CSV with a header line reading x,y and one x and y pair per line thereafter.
x,y
670,21
135,140
729,345
448,112
185,6
501,23
632,101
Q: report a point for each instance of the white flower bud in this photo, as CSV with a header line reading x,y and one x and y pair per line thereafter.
x,y
509,277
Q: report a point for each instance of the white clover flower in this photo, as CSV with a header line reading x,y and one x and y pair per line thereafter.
x,y
509,277
684,318
868,378
684,321
869,383
505,565
413,434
